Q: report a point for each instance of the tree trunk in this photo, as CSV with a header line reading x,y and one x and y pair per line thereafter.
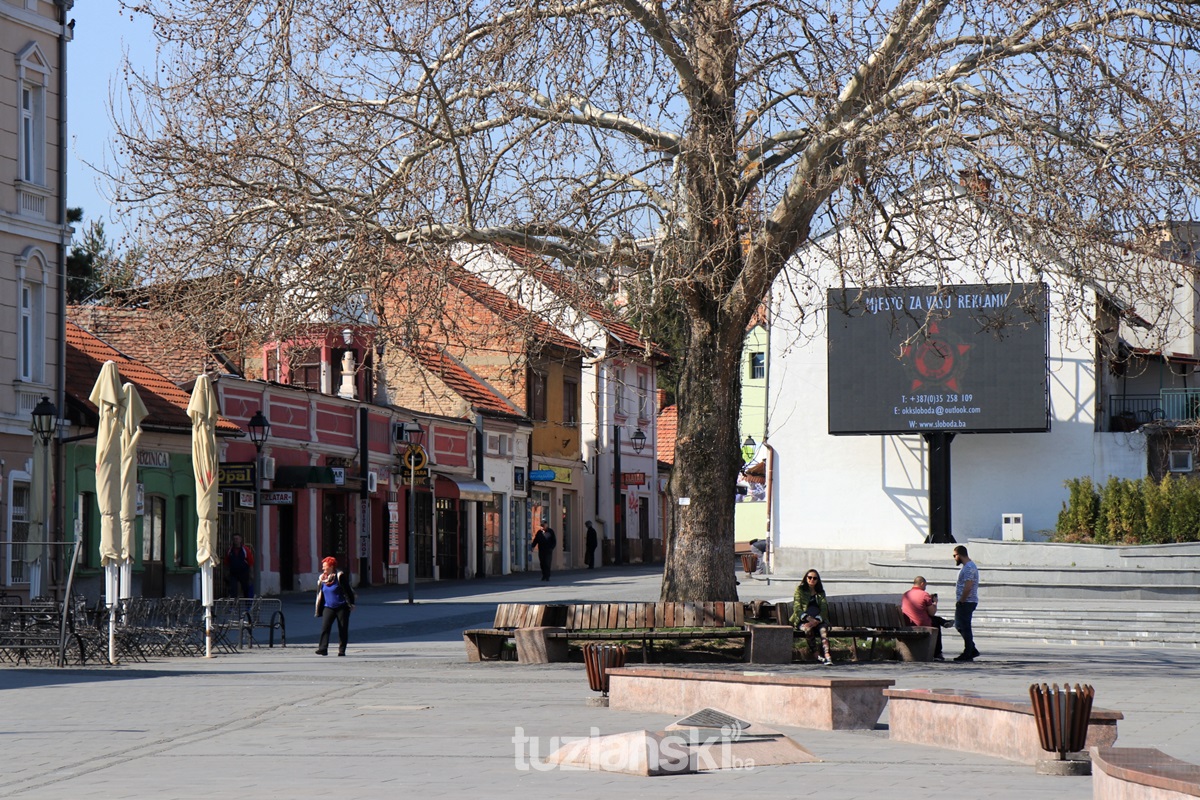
x,y
699,558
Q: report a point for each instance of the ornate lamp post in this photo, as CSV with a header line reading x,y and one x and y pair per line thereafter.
x,y
260,430
410,439
45,423
748,448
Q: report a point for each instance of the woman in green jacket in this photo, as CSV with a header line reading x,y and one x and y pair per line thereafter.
x,y
810,611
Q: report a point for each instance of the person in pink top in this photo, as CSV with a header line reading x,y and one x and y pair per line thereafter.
x,y
920,608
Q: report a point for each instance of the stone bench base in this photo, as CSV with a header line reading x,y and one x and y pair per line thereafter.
x,y
485,644
771,698
975,724
1141,773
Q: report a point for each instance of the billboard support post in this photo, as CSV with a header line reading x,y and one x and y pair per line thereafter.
x,y
939,488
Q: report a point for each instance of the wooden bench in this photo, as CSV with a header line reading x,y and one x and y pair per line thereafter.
x,y
648,623
1155,774
542,635
487,644
974,723
874,620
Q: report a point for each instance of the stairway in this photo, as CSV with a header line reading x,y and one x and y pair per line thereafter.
x,y
1146,596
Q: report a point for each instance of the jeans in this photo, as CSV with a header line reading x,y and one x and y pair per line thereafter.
x,y
342,615
962,620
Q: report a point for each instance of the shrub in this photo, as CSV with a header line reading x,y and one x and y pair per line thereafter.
x,y
1121,511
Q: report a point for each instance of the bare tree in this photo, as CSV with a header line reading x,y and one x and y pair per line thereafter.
x,y
294,143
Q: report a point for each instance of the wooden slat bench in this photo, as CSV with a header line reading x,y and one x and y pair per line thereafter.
x,y
872,619
487,644
1124,772
542,637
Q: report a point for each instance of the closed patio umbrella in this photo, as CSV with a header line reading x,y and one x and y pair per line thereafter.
x,y
203,411
133,412
109,398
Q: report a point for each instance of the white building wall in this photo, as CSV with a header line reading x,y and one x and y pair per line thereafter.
x,y
871,492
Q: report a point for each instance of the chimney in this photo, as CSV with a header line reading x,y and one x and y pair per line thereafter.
x,y
662,398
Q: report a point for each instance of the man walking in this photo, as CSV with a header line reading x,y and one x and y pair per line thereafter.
x,y
966,595
589,546
545,541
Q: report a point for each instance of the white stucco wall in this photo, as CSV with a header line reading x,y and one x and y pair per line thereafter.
x,y
871,492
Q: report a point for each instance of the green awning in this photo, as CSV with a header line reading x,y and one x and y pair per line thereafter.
x,y
302,477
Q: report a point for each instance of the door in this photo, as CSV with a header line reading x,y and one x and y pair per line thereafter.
x,y
333,530
154,573
447,538
644,529
287,547
493,532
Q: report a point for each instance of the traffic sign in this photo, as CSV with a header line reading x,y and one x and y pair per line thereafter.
x,y
415,457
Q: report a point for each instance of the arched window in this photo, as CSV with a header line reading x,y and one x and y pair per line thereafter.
x,y
31,316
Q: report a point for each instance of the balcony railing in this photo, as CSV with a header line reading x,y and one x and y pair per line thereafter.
x,y
1129,411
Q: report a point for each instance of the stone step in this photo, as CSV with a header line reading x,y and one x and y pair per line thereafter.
x,y
991,588
1051,574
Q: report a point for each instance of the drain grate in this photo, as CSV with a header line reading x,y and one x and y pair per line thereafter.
x,y
711,718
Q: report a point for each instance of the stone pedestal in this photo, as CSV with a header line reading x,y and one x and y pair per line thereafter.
x,y
770,644
535,647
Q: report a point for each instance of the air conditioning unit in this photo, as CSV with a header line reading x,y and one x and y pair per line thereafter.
x,y
372,482
1180,461
268,468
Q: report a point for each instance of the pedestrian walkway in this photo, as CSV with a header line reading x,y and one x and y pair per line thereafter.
x,y
406,716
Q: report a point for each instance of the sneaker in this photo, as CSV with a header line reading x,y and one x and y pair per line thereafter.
x,y
321,652
964,657
341,654
827,662
948,623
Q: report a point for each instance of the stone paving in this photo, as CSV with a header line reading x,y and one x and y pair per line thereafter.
x,y
404,715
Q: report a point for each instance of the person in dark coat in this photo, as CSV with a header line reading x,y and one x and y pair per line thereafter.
x,y
545,541
239,565
589,546
335,601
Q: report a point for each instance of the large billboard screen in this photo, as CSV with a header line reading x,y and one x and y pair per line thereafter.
x,y
923,359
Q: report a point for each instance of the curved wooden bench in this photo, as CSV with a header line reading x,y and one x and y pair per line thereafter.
x,y
1119,773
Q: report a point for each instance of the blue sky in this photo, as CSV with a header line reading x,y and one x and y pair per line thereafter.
x,y
102,34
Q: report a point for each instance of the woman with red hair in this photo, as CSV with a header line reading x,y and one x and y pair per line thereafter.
x,y
335,600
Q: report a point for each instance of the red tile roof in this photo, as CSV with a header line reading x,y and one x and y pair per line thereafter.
x,y
668,426
509,310
166,403
153,339
577,293
465,383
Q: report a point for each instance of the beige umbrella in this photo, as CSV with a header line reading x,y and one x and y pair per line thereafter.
x,y
108,398
203,411
133,412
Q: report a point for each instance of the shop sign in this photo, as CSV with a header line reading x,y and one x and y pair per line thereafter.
x,y
561,474
246,499
235,476
633,479
278,498
153,459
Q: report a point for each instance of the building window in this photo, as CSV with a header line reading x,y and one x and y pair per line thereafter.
x,y
570,403
180,539
643,397
33,136
758,366
306,369
499,444
90,556
18,530
618,393
30,332
537,396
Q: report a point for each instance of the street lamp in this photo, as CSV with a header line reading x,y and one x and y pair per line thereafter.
x,y
748,448
412,436
45,423
260,430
